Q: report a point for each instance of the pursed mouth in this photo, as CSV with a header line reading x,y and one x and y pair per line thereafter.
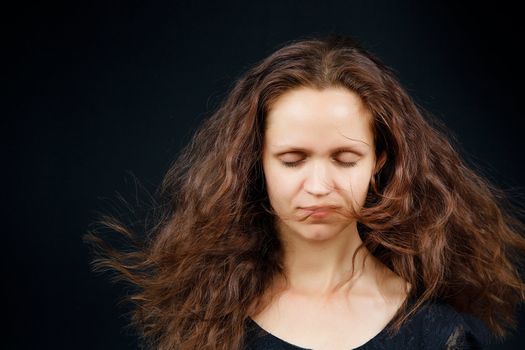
x,y
319,212
320,208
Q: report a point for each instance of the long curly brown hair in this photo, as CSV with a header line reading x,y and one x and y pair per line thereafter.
x,y
211,249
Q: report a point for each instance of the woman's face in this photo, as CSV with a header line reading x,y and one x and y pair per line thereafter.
x,y
318,152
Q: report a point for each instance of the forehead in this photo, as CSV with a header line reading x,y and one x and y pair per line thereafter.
x,y
307,115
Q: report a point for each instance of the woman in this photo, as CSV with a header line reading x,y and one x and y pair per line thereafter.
x,y
317,208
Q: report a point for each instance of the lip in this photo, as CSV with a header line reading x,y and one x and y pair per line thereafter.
x,y
320,207
319,212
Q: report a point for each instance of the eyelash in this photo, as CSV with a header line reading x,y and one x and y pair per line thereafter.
x,y
294,164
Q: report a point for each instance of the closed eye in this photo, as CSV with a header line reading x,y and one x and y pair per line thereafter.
x,y
296,163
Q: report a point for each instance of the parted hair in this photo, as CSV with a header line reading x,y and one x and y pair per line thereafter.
x,y
211,249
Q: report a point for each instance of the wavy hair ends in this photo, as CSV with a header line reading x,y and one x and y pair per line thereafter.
x,y
212,250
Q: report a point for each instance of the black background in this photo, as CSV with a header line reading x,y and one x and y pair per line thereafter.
x,y
97,91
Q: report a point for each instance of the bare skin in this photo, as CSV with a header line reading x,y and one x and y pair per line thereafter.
x,y
319,151
341,319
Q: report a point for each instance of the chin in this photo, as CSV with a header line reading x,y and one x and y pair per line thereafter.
x,y
319,232
318,236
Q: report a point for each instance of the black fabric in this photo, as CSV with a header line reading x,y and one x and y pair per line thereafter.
x,y
436,326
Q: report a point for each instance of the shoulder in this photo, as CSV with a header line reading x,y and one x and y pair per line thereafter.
x,y
443,327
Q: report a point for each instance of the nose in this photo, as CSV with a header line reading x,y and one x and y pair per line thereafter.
x,y
318,180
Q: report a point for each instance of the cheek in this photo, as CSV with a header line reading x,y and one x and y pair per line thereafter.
x,y
277,184
358,186
280,186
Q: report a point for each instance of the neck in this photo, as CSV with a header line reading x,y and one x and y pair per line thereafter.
x,y
322,268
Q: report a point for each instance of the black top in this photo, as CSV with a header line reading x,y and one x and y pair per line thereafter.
x,y
435,326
